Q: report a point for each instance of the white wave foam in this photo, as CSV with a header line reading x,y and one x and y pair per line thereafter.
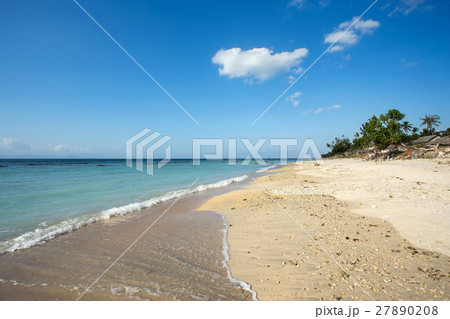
x,y
41,235
262,170
226,255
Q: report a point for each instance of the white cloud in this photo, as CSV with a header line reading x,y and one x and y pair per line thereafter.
x,y
408,64
320,109
11,146
336,48
291,79
352,36
297,3
301,3
407,6
7,142
257,63
324,3
387,5
294,98
61,147
334,107
306,112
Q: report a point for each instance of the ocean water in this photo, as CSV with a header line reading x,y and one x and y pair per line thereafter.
x,y
40,199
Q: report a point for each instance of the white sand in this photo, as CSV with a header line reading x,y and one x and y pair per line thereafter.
x,y
413,195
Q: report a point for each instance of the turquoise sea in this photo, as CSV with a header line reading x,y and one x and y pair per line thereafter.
x,y
40,199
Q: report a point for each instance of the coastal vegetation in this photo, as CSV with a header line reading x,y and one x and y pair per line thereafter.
x,y
386,130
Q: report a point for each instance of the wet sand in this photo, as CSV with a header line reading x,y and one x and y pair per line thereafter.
x,y
292,238
180,258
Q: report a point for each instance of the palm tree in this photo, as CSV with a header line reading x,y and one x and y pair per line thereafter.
x,y
430,121
406,126
415,130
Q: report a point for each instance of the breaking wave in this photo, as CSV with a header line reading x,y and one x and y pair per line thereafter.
x,y
40,235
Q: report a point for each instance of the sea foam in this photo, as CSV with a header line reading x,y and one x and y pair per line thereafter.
x,y
265,169
226,258
40,235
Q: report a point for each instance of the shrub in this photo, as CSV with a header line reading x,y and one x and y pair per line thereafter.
x,y
339,145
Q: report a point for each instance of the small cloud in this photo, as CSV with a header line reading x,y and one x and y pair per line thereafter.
x,y
411,64
297,3
321,109
318,110
300,4
405,7
408,64
324,3
257,63
291,79
336,48
306,112
387,5
334,107
294,98
344,38
7,142
61,147
298,70
347,57
12,146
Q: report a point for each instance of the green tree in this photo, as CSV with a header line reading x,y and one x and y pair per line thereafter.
x,y
381,131
339,145
406,127
446,132
430,121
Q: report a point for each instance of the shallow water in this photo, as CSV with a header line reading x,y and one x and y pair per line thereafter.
x,y
40,199
181,257
65,222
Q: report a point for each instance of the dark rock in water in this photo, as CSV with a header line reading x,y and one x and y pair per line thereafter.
x,y
3,166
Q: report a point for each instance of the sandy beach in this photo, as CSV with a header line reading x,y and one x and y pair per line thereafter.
x,y
344,230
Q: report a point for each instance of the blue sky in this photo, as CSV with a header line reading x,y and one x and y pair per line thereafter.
x,y
67,90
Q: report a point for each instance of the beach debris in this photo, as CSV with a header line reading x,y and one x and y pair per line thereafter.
x,y
431,146
433,273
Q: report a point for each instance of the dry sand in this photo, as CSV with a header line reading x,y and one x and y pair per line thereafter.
x,y
344,230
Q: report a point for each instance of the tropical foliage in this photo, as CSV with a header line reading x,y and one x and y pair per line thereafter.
x,y
430,121
339,145
384,130
381,131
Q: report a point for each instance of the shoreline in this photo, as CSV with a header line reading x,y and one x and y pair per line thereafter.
x,y
40,236
183,257
275,256
226,259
